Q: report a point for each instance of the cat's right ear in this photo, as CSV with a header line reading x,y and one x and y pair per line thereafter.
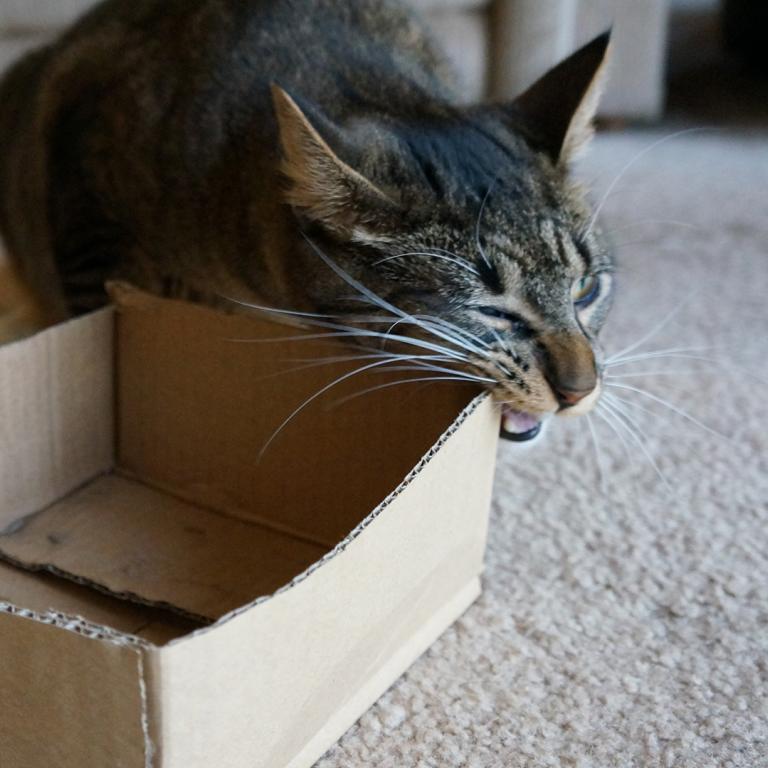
x,y
559,108
321,186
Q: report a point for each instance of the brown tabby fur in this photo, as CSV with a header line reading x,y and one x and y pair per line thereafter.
x,y
221,148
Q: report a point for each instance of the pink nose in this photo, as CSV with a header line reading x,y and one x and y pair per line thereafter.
x,y
568,397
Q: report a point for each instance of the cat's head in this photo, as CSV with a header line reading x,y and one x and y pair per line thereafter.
x,y
462,227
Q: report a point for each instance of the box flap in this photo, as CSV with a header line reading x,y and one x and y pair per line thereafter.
x,y
56,413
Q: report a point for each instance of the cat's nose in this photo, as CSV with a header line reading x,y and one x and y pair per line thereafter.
x,y
570,368
569,397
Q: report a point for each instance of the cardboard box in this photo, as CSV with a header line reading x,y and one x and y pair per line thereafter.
x,y
171,599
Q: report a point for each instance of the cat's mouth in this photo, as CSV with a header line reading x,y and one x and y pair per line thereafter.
x,y
518,425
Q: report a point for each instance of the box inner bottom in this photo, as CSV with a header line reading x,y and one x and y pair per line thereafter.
x,y
159,554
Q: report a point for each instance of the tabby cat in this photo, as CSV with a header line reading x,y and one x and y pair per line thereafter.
x,y
312,157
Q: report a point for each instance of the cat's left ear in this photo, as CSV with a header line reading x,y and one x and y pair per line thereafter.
x,y
321,185
559,109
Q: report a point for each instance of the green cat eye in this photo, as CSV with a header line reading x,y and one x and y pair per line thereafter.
x,y
586,290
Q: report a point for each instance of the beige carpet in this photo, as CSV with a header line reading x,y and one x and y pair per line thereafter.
x,y
627,626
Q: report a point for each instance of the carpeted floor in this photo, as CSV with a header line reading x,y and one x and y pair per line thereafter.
x,y
627,626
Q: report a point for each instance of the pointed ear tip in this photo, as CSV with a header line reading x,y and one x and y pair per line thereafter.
x,y
278,92
603,41
282,99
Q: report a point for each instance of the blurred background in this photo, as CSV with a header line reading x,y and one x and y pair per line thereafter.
x,y
670,55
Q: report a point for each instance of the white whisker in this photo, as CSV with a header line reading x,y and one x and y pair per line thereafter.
x,y
273,310
420,379
644,374
633,430
630,164
457,261
319,362
368,294
620,359
418,366
479,224
648,336
598,454
683,414
608,417
317,394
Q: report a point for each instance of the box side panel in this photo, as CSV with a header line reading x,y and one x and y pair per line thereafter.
x,y
278,681
378,684
56,413
199,417
69,701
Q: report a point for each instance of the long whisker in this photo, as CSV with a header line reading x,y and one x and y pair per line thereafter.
x,y
479,224
619,359
648,336
622,403
630,164
644,374
427,323
725,364
418,366
319,362
632,428
317,394
671,407
452,327
598,453
608,418
350,332
273,310
420,379
458,262
366,292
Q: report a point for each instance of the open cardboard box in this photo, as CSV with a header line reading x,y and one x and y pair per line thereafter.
x,y
169,597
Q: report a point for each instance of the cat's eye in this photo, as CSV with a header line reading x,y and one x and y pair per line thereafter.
x,y
507,320
585,290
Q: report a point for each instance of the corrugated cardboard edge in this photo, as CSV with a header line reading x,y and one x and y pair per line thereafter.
x,y
357,531
76,624
127,596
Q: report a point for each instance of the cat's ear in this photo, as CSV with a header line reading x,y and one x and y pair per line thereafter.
x,y
321,185
560,107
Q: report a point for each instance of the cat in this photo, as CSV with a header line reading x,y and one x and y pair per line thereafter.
x,y
312,158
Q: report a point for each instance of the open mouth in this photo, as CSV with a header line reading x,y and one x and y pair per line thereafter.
x,y
519,426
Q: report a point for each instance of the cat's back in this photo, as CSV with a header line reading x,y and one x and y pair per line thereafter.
x,y
327,50
141,105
